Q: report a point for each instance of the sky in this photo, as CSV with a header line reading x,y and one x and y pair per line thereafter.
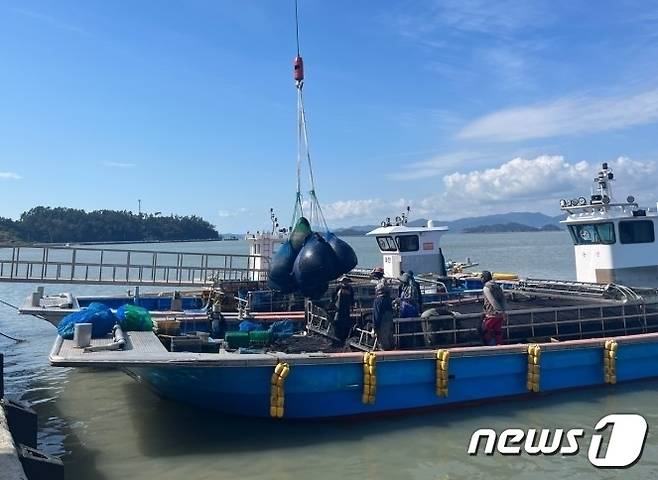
x,y
454,107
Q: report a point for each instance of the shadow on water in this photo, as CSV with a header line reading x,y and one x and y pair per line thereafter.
x,y
58,437
168,428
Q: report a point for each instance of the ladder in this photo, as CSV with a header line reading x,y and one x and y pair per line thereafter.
x,y
563,287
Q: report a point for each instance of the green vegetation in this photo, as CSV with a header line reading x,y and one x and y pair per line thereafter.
x,y
60,225
511,227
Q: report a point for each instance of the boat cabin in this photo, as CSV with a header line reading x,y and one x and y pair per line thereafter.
x,y
407,248
262,247
614,242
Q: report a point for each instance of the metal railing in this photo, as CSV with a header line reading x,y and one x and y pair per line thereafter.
x,y
104,266
559,323
570,322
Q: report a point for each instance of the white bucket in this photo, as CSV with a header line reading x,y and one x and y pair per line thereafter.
x,y
82,335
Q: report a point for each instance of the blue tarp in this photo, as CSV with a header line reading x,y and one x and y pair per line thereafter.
x,y
282,329
99,315
249,325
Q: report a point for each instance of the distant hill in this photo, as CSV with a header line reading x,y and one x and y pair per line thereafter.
x,y
511,227
59,225
528,219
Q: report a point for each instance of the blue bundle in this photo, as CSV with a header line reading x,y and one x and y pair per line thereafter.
x,y
100,316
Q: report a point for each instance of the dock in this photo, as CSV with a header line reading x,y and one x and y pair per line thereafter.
x,y
10,464
19,457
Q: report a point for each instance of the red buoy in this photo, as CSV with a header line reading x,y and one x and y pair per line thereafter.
x,y
298,69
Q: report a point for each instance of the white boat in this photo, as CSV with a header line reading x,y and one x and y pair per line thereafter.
x,y
614,241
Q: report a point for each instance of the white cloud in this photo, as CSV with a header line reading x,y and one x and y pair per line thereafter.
x,y
520,184
119,165
543,177
9,176
346,209
499,18
232,213
566,116
50,21
369,211
438,165
518,177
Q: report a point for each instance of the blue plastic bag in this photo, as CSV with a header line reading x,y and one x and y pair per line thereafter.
x,y
407,310
100,316
249,325
282,329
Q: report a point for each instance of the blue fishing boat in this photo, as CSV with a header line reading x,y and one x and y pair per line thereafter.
x,y
317,385
557,335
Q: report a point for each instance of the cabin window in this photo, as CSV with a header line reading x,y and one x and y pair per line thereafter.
x,y
386,244
640,231
407,243
593,233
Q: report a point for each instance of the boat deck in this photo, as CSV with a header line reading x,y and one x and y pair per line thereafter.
x,y
141,348
136,342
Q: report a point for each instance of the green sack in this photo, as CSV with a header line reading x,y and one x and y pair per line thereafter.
x,y
237,339
259,338
132,317
299,233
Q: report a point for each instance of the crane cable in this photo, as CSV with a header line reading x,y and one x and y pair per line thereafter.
x,y
297,26
303,149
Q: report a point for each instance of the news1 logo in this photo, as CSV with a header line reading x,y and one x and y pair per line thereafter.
x,y
626,432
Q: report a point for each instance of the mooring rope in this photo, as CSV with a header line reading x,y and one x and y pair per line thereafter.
x,y
17,340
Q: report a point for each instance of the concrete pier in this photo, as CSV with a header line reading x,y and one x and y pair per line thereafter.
x,y
10,465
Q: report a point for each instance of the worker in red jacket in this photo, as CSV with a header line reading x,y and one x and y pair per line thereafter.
x,y
494,310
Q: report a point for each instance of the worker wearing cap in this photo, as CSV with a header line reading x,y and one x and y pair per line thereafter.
x,y
377,275
343,300
494,310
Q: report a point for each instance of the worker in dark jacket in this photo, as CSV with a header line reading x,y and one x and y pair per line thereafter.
x,y
382,315
418,294
410,296
494,310
343,300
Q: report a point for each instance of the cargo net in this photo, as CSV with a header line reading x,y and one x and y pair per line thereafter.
x,y
313,256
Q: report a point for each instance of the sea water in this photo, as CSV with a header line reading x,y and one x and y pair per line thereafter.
x,y
105,425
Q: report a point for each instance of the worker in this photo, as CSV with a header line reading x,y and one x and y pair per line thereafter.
x,y
494,310
418,295
217,322
382,316
343,300
427,324
377,274
410,296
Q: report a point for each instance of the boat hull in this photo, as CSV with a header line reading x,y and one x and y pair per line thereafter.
x,y
333,386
